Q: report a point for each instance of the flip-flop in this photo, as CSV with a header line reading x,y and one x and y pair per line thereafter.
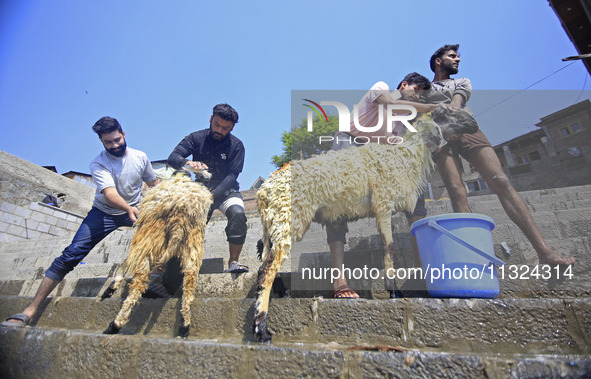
x,y
236,268
25,320
337,294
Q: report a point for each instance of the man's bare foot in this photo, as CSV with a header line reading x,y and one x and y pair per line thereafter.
x,y
549,256
344,292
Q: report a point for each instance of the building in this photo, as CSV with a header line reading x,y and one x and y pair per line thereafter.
x,y
558,154
81,177
575,17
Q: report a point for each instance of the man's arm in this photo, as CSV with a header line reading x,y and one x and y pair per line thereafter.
x,y
236,163
178,158
462,92
118,202
386,98
458,101
224,185
153,183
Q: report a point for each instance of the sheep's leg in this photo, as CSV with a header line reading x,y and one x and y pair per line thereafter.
x,y
113,287
189,286
138,286
266,276
191,259
385,228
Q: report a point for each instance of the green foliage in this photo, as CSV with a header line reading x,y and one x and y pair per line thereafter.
x,y
302,144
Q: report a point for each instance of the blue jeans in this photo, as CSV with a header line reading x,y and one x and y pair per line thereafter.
x,y
95,227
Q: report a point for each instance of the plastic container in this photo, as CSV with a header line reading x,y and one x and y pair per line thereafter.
x,y
458,256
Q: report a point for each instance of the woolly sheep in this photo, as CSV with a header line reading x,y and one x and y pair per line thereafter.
x,y
369,181
171,223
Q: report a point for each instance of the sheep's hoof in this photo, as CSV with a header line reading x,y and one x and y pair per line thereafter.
x,y
184,331
261,332
108,293
112,328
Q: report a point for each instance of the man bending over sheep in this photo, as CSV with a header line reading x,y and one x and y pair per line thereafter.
x,y
118,172
408,93
215,149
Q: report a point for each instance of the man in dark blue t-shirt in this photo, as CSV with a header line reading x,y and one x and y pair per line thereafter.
x,y
222,154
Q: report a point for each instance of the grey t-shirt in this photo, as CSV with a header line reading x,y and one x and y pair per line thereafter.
x,y
125,174
444,91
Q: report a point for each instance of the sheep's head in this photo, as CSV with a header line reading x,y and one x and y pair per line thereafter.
x,y
454,122
430,132
444,124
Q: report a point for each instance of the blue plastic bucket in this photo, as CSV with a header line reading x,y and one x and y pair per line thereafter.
x,y
458,255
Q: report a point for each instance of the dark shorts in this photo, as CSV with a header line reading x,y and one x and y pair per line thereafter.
x,y
420,209
465,144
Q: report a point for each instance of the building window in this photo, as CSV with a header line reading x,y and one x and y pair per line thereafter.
x,y
576,127
522,158
476,185
472,186
564,132
534,155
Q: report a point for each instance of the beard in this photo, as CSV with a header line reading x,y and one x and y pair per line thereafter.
x,y
118,152
451,69
216,136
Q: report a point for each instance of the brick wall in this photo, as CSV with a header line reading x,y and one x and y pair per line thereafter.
x,y
36,221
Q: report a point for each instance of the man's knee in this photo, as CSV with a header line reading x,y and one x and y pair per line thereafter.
x,y
499,183
236,229
72,255
336,232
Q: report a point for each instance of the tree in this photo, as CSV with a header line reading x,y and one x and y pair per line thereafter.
x,y
302,144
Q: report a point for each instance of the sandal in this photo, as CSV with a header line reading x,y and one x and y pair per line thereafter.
x,y
23,318
342,290
236,268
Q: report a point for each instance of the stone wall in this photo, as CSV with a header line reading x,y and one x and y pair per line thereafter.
x,y
23,182
22,186
38,220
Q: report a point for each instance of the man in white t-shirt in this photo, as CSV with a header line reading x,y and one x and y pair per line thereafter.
x,y
118,172
408,93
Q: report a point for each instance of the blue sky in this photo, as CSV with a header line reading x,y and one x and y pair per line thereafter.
x,y
160,67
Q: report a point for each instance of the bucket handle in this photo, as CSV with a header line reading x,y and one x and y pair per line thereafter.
x,y
495,260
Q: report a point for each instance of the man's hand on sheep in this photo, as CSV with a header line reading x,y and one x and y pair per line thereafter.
x,y
133,213
195,166
198,168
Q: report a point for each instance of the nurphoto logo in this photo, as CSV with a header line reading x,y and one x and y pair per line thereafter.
x,y
344,115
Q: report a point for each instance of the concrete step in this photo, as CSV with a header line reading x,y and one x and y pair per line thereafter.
x,y
507,326
516,281
58,353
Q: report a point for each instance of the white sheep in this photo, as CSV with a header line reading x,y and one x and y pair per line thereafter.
x,y
370,181
171,223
